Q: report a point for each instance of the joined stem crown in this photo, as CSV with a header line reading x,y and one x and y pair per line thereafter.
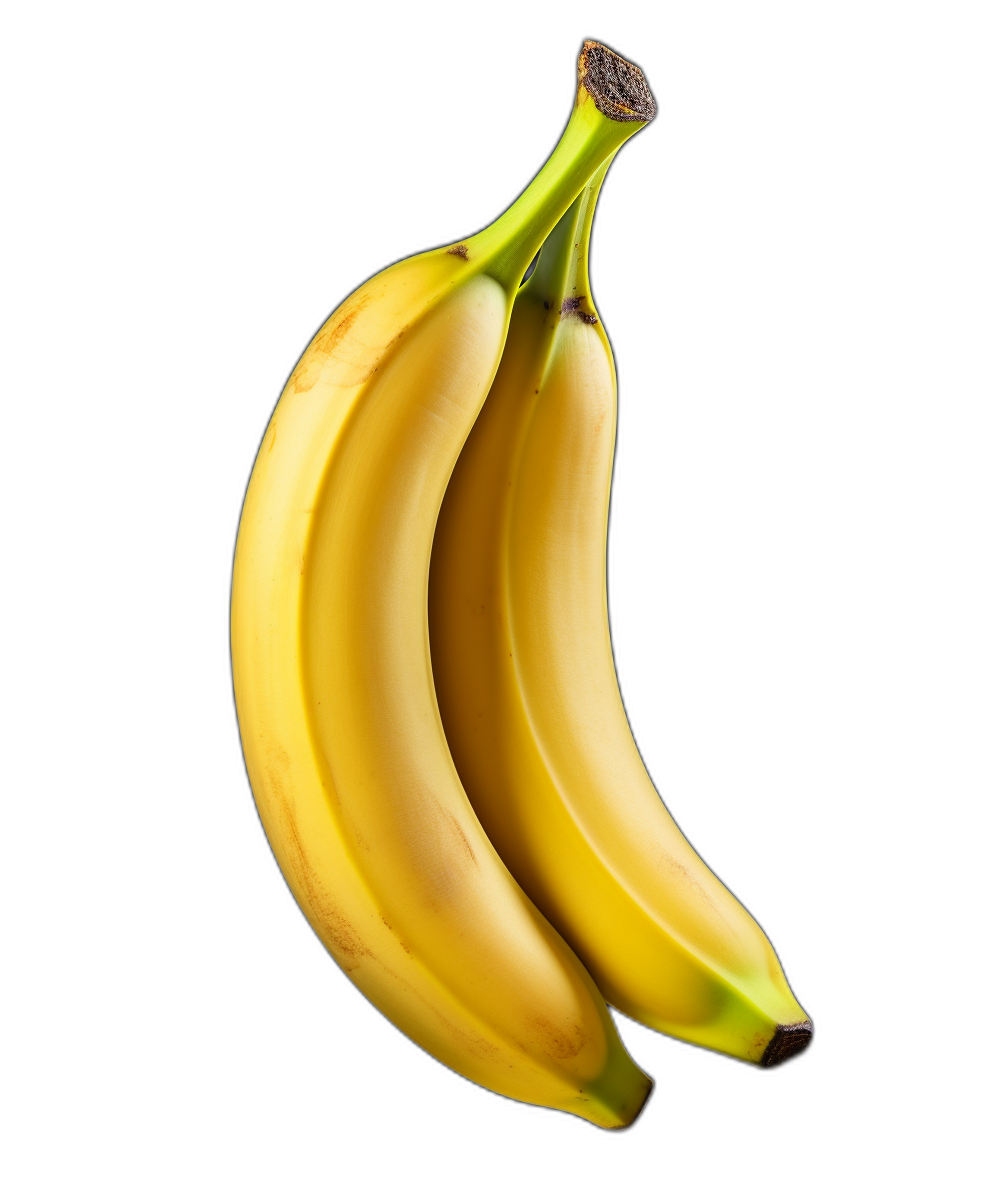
x,y
618,87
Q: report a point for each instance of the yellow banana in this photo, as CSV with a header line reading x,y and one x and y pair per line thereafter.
x,y
528,695
339,723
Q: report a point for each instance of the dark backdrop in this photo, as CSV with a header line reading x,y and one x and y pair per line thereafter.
x,y
723,256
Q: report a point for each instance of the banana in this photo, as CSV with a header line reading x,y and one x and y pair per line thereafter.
x,y
339,724
529,699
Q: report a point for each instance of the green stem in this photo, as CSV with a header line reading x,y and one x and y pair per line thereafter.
x,y
505,249
577,277
547,285
560,279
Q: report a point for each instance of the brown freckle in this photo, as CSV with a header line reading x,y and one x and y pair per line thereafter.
x,y
306,374
333,776
461,834
459,249
561,1046
338,934
334,336
547,304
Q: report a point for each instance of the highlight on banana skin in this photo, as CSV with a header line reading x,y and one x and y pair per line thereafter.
x,y
424,679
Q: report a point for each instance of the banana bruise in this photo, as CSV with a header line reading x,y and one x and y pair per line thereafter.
x,y
343,742
530,702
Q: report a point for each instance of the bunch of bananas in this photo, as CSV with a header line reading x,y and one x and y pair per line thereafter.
x,y
424,680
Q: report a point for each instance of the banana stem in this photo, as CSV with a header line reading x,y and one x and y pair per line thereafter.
x,y
613,101
560,276
548,283
578,287
560,279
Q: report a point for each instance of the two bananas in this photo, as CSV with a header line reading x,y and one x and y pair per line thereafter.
x,y
424,680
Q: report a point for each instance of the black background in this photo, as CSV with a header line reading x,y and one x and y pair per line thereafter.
x,y
725,251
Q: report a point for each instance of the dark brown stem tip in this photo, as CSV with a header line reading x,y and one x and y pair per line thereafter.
x,y
618,87
788,1041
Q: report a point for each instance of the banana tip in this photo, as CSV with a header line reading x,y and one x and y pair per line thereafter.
x,y
645,1098
787,1042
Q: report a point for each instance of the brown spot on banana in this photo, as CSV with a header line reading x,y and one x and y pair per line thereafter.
x,y
329,342
340,937
306,373
558,1044
459,833
571,307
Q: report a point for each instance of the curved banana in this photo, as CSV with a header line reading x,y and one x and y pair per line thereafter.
x,y
339,723
531,707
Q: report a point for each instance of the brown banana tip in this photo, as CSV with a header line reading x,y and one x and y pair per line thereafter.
x,y
787,1042
618,87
